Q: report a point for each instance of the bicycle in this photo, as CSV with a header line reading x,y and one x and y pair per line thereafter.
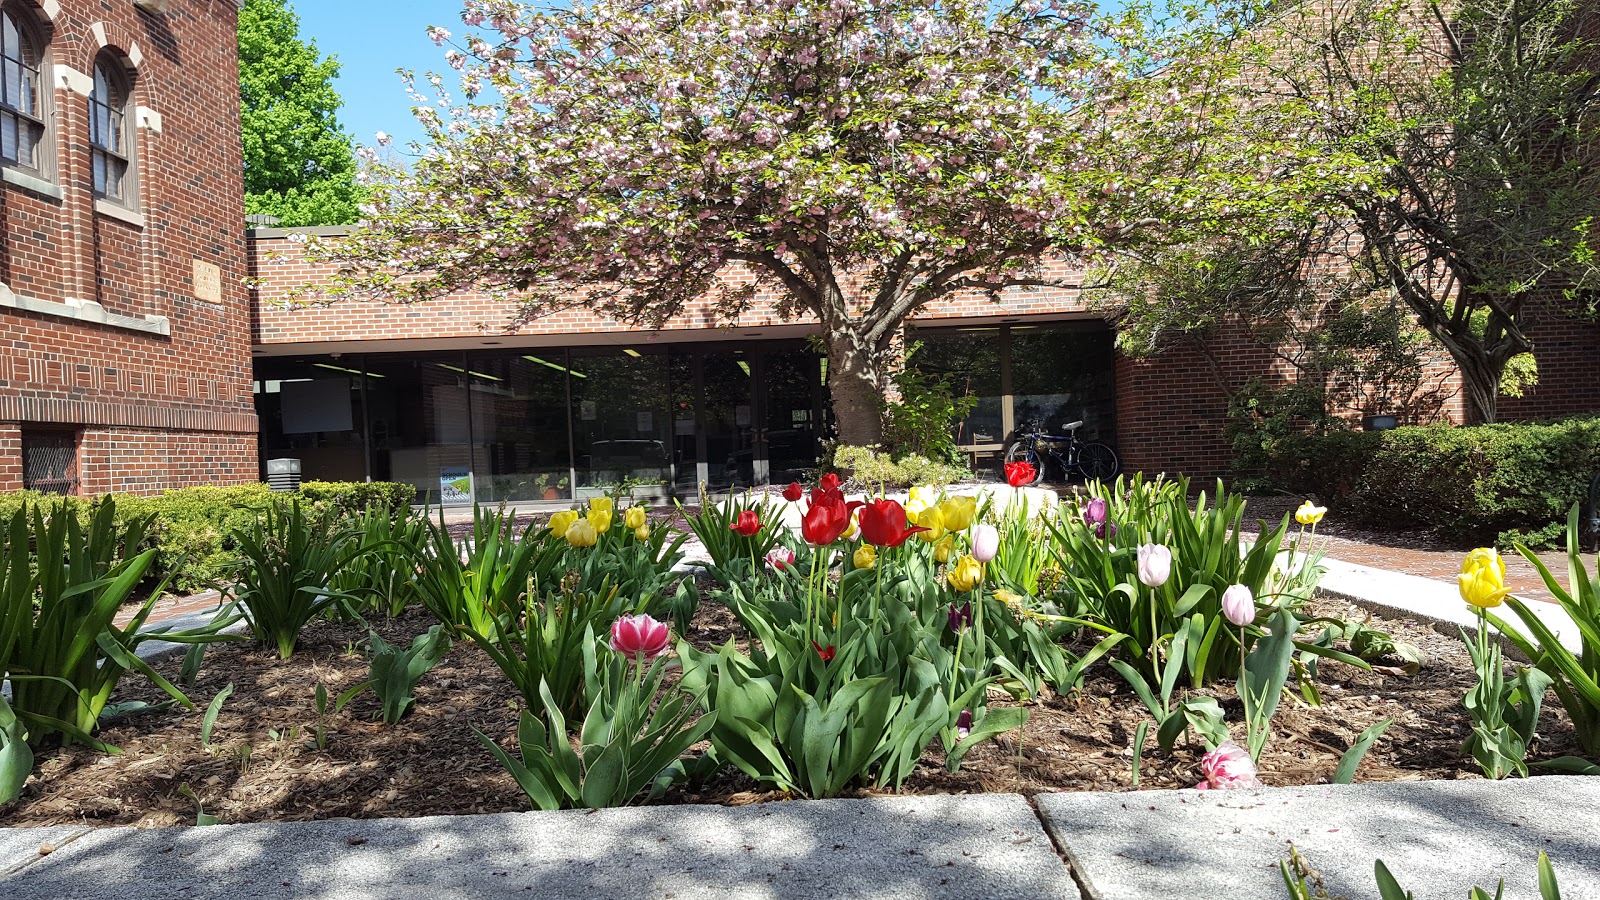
x,y
1091,459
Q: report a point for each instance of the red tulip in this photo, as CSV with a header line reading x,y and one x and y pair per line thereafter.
x,y
793,492
1019,474
883,524
748,524
829,482
825,652
826,518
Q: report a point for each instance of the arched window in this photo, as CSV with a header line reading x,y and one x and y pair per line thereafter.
x,y
109,140
22,115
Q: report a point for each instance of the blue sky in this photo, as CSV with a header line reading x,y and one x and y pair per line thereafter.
x,y
372,38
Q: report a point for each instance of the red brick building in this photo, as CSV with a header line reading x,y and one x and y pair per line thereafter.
x,y
125,362
440,391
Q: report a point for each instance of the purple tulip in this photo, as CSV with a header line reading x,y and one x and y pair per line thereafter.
x,y
985,543
1095,512
1100,530
960,616
963,724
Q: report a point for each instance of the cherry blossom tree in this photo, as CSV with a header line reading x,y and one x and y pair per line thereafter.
x,y
860,158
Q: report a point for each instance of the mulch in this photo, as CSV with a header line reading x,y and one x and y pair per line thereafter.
x,y
263,763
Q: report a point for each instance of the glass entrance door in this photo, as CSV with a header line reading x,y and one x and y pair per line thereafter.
x,y
727,420
791,407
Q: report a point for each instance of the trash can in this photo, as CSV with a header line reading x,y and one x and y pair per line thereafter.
x,y
283,474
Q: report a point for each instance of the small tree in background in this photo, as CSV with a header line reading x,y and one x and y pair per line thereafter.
x,y
859,158
298,162
1464,178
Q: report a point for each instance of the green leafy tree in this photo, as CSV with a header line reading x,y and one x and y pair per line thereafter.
x,y
298,162
858,159
1452,162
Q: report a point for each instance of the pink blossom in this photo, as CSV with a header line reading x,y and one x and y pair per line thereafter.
x,y
780,558
1228,767
640,637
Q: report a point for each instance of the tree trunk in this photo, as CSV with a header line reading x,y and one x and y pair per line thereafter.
x,y
1480,382
855,385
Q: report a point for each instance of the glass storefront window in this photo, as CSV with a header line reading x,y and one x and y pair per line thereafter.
x,y
971,360
622,420
312,410
421,425
1064,375
519,424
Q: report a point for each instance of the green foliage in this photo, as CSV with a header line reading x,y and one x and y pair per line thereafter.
x,y
922,421
728,549
381,576
631,732
1100,587
1576,676
192,529
472,587
288,564
62,582
1303,883
1504,713
1469,483
16,757
873,468
298,161
395,671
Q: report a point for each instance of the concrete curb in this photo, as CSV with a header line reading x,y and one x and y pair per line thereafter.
x,y
1439,838
1435,602
944,847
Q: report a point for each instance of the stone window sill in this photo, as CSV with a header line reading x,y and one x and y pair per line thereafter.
x,y
31,183
121,213
86,311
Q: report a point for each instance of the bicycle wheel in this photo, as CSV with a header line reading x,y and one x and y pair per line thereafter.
x,y
1020,452
1098,462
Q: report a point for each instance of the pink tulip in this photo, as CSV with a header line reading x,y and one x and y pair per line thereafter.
x,y
1239,605
1155,564
985,543
780,558
1228,767
640,637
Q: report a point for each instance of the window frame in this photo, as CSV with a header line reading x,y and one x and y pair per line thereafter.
x,y
31,35
118,77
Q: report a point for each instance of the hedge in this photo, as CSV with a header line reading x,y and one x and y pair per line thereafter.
x,y
192,525
1502,481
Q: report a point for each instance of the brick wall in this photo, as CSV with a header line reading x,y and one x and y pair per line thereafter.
x,y
137,396
1568,353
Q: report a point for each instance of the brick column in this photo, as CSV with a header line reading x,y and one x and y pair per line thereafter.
x,y
10,457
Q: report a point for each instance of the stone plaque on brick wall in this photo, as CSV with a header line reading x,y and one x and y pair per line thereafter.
x,y
207,282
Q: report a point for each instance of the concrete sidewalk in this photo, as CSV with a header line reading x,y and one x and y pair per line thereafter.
x,y
1440,838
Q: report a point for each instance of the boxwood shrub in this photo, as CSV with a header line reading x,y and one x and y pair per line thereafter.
x,y
1480,483
192,527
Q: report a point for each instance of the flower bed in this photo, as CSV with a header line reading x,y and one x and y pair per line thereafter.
x,y
431,763
1129,637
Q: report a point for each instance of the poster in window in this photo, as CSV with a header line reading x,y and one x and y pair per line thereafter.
x,y
320,405
455,484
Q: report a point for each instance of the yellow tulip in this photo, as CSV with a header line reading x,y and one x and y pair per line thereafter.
x,y
853,528
642,532
865,557
922,497
958,512
931,519
600,519
1009,598
602,504
561,521
582,534
1485,557
965,575
1309,513
1483,579
941,550
635,518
